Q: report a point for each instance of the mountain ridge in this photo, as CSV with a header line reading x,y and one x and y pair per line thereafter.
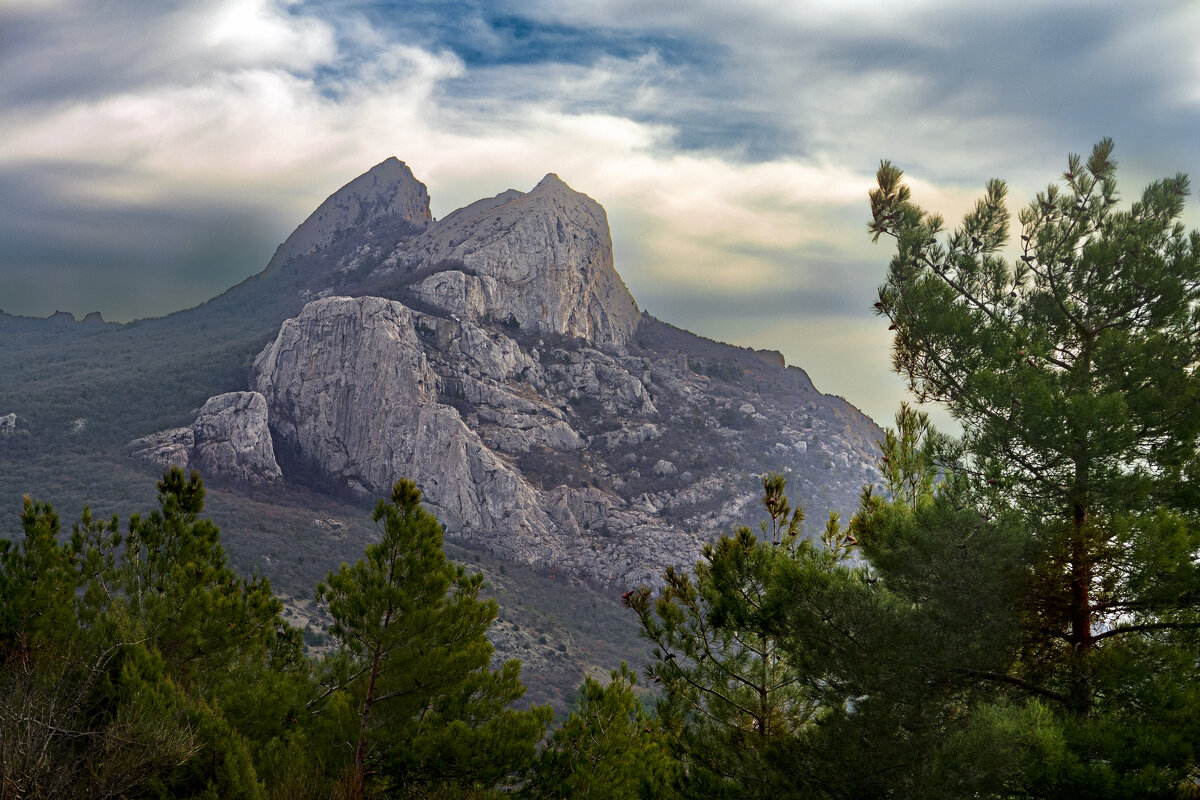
x,y
497,356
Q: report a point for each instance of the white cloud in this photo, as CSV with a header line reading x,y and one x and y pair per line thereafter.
x,y
254,33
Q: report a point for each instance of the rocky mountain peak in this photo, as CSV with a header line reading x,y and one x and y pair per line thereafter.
x,y
386,193
551,182
496,358
539,261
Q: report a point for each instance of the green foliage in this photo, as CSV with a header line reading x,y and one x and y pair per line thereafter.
x,y
117,648
909,451
433,717
608,749
208,622
731,694
1073,371
137,663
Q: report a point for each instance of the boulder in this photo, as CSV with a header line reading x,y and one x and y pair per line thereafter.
x,y
229,440
232,439
165,449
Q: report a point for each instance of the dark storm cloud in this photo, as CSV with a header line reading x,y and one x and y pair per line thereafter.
x,y
65,254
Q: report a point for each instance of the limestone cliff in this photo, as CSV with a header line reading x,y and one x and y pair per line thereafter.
x,y
541,260
387,193
358,389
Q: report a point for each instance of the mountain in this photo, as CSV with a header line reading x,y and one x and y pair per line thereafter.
x,y
495,356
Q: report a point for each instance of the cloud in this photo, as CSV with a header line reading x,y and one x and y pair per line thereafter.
x,y
731,143
72,252
73,51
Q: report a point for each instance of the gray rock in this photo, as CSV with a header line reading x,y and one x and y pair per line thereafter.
x,y
165,449
387,192
351,388
8,425
456,292
229,440
541,261
344,384
232,439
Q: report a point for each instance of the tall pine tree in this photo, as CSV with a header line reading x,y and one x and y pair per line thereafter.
x,y
433,718
1073,369
732,695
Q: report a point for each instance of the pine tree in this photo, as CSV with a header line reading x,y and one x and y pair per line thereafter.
x,y
610,748
731,695
123,658
433,717
1073,371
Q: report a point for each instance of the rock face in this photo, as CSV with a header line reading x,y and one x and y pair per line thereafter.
x,y
169,448
388,192
535,263
359,389
542,261
232,439
561,456
229,440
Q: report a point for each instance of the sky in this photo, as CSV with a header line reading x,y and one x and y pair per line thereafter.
x,y
155,152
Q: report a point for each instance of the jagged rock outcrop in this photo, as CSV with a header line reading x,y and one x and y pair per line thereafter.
x,y
229,440
345,383
514,445
8,425
541,260
537,262
388,192
353,392
469,297
232,439
165,449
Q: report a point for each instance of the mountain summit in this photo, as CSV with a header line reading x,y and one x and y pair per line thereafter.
x,y
386,193
541,261
497,358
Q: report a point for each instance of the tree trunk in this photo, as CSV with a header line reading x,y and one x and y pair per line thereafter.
x,y
1080,609
364,719
1081,555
